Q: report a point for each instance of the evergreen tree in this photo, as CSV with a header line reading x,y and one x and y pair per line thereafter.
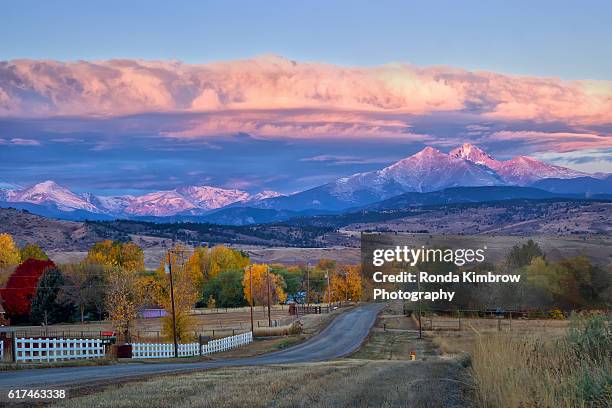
x,y
520,256
49,304
33,251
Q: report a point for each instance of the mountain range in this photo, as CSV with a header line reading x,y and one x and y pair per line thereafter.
x,y
429,170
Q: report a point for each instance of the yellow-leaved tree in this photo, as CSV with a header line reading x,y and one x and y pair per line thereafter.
x,y
261,279
346,284
9,257
9,253
186,292
206,263
123,299
125,255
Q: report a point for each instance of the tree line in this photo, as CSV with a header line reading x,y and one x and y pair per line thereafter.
x,y
112,282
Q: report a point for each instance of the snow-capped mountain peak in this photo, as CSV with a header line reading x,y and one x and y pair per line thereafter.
x,y
209,198
468,151
49,192
523,170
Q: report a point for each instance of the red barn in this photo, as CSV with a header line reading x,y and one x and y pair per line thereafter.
x,y
21,287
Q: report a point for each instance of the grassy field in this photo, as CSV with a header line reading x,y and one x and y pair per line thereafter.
x,y
372,377
567,371
223,322
454,337
345,383
532,363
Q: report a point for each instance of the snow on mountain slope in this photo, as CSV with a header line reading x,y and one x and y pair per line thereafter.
x,y
159,203
209,198
49,192
263,195
521,170
474,154
427,170
524,170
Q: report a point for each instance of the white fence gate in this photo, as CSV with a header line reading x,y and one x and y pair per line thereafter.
x,y
163,350
45,350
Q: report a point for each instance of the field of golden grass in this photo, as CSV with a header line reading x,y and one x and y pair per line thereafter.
x,y
209,322
532,363
343,383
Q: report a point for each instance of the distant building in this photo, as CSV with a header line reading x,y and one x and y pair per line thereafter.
x,y
152,313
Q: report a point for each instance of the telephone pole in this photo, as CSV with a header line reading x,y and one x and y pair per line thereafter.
x,y
169,266
268,279
420,327
251,289
308,284
328,292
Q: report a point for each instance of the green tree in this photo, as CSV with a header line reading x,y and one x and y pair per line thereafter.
x,y
226,289
84,286
520,256
292,277
49,305
33,251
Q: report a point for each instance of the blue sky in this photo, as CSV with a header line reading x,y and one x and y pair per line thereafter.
x,y
336,101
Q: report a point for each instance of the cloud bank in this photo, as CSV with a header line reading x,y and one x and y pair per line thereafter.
x,y
124,87
273,97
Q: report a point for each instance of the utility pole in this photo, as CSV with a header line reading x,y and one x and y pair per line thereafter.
x,y
268,279
169,266
420,327
328,292
251,288
308,284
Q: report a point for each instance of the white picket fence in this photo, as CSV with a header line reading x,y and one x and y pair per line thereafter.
x,y
163,350
46,350
227,343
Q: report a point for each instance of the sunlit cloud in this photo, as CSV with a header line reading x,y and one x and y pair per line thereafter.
x,y
125,87
557,141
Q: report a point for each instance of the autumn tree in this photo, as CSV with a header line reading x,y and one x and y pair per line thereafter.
x,y
84,286
185,294
123,299
261,279
346,284
292,276
125,255
9,253
573,282
49,304
21,287
33,251
206,263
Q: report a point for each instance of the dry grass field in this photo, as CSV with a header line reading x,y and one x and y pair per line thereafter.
x,y
343,383
213,322
451,340
531,363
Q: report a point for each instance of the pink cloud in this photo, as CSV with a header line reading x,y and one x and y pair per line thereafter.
x,y
121,87
561,141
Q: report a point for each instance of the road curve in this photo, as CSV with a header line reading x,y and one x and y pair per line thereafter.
x,y
343,336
